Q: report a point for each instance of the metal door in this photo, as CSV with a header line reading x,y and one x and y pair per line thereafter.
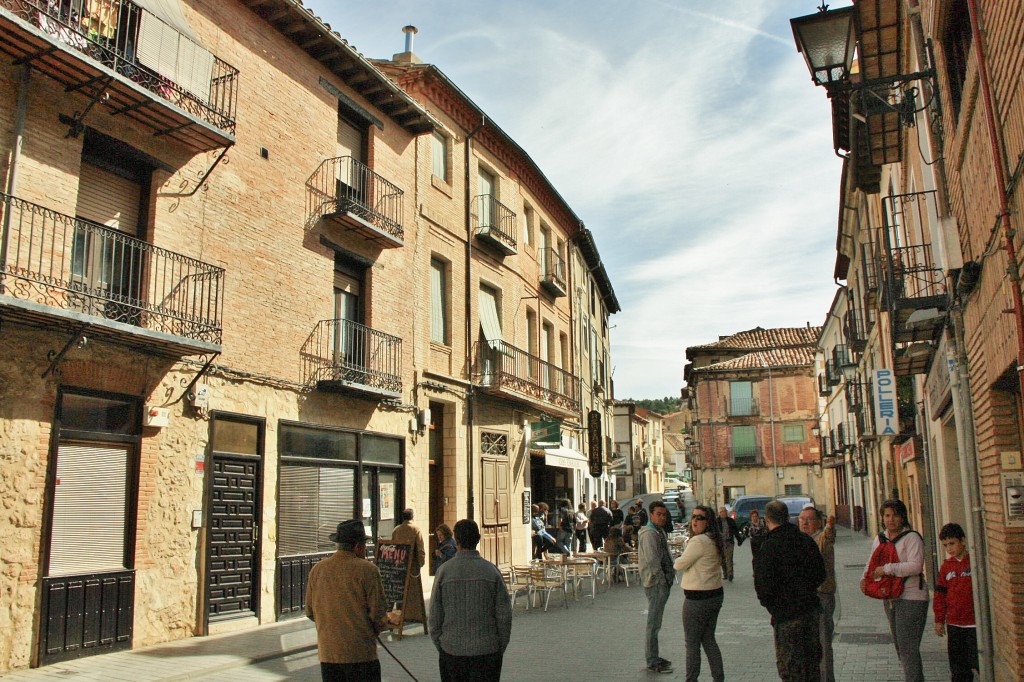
x,y
232,579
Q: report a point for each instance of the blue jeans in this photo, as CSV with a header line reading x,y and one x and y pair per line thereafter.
x,y
657,596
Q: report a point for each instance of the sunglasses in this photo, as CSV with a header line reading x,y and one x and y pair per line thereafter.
x,y
698,518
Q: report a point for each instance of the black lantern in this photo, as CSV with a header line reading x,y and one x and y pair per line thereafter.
x,y
827,41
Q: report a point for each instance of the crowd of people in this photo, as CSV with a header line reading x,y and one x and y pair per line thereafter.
x,y
470,618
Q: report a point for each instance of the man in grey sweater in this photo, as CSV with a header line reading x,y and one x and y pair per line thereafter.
x,y
657,575
470,613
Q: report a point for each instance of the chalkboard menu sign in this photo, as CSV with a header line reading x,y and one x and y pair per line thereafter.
x,y
393,563
527,505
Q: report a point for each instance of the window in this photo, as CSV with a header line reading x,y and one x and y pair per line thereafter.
x,y
793,433
744,445
528,218
956,47
741,399
438,301
439,156
488,192
793,489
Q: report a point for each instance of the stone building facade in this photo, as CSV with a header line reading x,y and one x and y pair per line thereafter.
x,y
754,401
239,306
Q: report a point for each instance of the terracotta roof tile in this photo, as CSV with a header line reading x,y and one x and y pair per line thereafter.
x,y
775,358
765,339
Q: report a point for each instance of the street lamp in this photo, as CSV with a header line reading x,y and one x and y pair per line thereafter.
x,y
849,369
826,40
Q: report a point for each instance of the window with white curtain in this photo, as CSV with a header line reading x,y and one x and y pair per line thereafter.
x,y
438,301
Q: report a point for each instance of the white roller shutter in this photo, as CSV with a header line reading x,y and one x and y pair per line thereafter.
x,y
89,506
108,199
490,323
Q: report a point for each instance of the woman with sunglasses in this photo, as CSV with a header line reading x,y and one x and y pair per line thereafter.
x,y
702,563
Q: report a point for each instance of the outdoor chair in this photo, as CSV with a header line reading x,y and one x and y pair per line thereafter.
x,y
548,581
629,563
517,581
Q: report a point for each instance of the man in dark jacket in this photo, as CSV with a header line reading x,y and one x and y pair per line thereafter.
x,y
600,523
787,571
730,538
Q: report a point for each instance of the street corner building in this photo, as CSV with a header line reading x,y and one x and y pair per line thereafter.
x,y
252,284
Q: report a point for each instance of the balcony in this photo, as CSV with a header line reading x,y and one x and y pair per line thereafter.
x,y
495,224
856,336
347,357
743,454
507,371
915,285
552,272
346,192
741,407
129,60
60,272
869,272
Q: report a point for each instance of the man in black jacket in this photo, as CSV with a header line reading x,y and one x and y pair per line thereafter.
x,y
787,571
730,538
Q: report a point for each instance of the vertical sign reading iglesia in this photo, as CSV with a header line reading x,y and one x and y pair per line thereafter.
x,y
886,419
594,443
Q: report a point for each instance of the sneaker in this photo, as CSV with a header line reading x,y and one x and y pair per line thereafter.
x,y
660,667
665,661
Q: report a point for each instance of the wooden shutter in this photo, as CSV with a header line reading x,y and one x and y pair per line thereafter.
x,y
489,476
504,498
90,498
108,199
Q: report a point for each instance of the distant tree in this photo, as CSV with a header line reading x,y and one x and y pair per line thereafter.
x,y
664,405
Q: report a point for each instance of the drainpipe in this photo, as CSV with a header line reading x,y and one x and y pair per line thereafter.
x,y
771,420
471,391
999,165
960,388
12,170
986,658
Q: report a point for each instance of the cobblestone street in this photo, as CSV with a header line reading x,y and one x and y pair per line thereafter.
x,y
598,639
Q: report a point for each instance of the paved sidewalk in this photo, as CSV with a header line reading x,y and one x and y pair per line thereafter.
x,y
598,639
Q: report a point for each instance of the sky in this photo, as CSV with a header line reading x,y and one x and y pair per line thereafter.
x,y
686,134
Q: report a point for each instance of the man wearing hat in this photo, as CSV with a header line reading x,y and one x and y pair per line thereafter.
x,y
345,598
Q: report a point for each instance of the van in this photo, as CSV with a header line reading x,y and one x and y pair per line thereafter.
x,y
742,506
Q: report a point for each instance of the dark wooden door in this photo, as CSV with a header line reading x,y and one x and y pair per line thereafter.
x,y
232,579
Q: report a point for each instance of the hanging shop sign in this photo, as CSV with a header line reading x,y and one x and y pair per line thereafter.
x,y
594,440
886,416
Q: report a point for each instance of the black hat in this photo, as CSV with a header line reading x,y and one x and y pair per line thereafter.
x,y
349,532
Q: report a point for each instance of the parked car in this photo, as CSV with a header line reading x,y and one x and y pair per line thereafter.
x,y
740,508
795,504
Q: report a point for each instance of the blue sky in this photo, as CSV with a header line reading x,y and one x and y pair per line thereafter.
x,y
685,133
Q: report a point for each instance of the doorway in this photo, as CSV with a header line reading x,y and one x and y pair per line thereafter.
x,y
232,523
435,435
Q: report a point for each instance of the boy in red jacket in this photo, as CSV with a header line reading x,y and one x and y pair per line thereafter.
x,y
954,604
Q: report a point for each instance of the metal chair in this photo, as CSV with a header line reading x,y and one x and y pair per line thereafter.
x,y
517,582
584,571
548,581
629,562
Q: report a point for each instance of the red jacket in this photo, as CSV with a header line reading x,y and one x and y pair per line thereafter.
x,y
954,600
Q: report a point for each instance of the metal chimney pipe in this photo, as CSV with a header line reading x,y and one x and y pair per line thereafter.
x,y
409,32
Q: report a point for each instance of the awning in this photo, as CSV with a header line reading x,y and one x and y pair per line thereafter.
x,y
490,323
567,458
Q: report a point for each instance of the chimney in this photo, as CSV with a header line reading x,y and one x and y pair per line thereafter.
x,y
407,57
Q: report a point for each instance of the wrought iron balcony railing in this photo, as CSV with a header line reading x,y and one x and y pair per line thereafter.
x,y
504,368
856,336
82,267
496,223
552,271
347,356
142,48
350,191
742,407
743,454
